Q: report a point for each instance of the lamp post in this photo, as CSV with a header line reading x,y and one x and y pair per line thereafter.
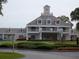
x,y
40,29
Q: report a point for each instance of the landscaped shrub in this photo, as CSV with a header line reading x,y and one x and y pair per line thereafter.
x,y
44,45
34,45
6,45
25,45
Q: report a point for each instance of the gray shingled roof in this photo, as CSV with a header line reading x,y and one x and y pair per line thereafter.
x,y
34,22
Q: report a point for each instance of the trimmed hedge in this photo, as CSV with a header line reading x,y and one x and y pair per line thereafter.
x,y
34,45
37,45
6,45
42,45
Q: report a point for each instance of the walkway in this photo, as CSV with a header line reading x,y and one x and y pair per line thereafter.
x,y
46,55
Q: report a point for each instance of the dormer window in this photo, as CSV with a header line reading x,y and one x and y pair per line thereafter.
x,y
48,22
9,30
39,21
21,30
57,22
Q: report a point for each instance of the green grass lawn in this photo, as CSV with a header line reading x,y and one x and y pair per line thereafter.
x,y
10,55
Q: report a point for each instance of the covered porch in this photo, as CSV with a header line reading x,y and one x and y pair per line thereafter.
x,y
49,36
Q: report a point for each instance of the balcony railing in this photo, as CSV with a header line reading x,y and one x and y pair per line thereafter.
x,y
46,30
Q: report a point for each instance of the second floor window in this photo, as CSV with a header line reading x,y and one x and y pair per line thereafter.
x,y
39,21
48,22
33,28
57,22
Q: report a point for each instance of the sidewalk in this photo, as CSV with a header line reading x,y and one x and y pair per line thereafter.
x,y
46,55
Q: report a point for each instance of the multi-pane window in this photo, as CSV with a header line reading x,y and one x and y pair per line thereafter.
x,y
48,21
9,30
53,22
21,30
57,22
39,21
33,28
44,28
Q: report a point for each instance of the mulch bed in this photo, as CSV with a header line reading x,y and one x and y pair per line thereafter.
x,y
67,49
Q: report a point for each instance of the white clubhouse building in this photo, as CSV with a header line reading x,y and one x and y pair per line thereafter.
x,y
45,27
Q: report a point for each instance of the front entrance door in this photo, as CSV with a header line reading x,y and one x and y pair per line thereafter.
x,y
32,36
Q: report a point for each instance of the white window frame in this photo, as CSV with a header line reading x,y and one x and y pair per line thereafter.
x,y
38,22
47,21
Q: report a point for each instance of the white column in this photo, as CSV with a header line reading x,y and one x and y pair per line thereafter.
x,y
58,34
3,36
40,30
51,29
68,37
14,37
40,36
27,34
58,37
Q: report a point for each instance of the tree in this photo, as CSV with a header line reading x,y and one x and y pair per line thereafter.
x,y
75,17
64,18
77,26
1,5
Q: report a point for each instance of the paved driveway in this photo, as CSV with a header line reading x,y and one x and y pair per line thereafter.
x,y
46,55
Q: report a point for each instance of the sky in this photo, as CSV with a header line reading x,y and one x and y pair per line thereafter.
x,y
18,13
